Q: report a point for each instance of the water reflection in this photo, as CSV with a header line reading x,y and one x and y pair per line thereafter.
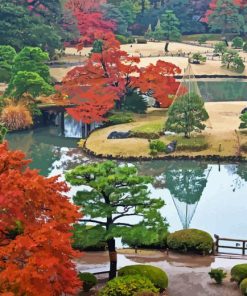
x,y
186,182
222,91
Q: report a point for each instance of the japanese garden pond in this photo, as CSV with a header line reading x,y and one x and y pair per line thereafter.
x,y
204,195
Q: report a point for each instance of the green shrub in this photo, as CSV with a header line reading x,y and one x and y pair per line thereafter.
x,y
202,39
218,275
156,275
120,118
135,103
190,240
237,42
127,286
157,145
88,280
245,47
239,273
124,40
243,287
144,135
90,238
141,41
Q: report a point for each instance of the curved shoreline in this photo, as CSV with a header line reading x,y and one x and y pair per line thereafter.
x,y
214,158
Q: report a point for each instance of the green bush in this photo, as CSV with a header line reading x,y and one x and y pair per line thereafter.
x,y
145,135
125,40
245,47
127,286
141,41
156,275
202,39
135,103
88,280
157,145
243,287
190,240
218,275
237,42
120,118
239,273
88,238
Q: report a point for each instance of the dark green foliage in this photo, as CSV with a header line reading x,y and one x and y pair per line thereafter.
x,y
141,40
190,240
243,287
198,58
117,192
88,279
245,47
170,25
120,118
202,39
28,82
243,119
123,39
218,275
112,12
156,275
220,48
7,55
226,18
3,132
97,46
145,135
237,42
186,115
135,102
233,61
157,145
30,74
90,238
141,237
239,273
127,286
20,27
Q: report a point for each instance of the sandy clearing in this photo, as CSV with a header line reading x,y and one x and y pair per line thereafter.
x,y
220,133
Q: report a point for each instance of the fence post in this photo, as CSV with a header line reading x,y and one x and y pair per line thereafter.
x,y
216,249
243,251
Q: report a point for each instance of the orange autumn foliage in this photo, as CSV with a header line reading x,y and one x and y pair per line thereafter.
x,y
35,223
109,75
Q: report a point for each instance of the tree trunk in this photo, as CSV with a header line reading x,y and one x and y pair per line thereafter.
x,y
113,258
166,46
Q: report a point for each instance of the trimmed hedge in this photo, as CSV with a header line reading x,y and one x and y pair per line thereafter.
x,y
239,273
127,286
120,118
190,240
157,145
141,41
88,280
243,287
156,275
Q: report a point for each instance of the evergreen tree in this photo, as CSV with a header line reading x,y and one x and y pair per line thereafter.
x,y
170,26
187,115
226,18
117,193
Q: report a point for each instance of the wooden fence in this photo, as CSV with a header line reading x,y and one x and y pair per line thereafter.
x,y
240,244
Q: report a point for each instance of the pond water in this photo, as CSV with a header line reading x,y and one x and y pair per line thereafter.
x,y
224,90
200,195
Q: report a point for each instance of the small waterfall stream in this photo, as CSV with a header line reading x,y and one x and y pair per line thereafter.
x,y
73,128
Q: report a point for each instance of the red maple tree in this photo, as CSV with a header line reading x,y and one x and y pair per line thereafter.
x,y
90,21
109,75
35,218
213,5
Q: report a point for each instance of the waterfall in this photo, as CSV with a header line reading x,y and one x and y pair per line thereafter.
x,y
72,128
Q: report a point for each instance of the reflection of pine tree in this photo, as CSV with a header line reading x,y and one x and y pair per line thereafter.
x,y
186,182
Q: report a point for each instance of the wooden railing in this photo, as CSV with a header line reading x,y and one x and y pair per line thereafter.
x,y
240,244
